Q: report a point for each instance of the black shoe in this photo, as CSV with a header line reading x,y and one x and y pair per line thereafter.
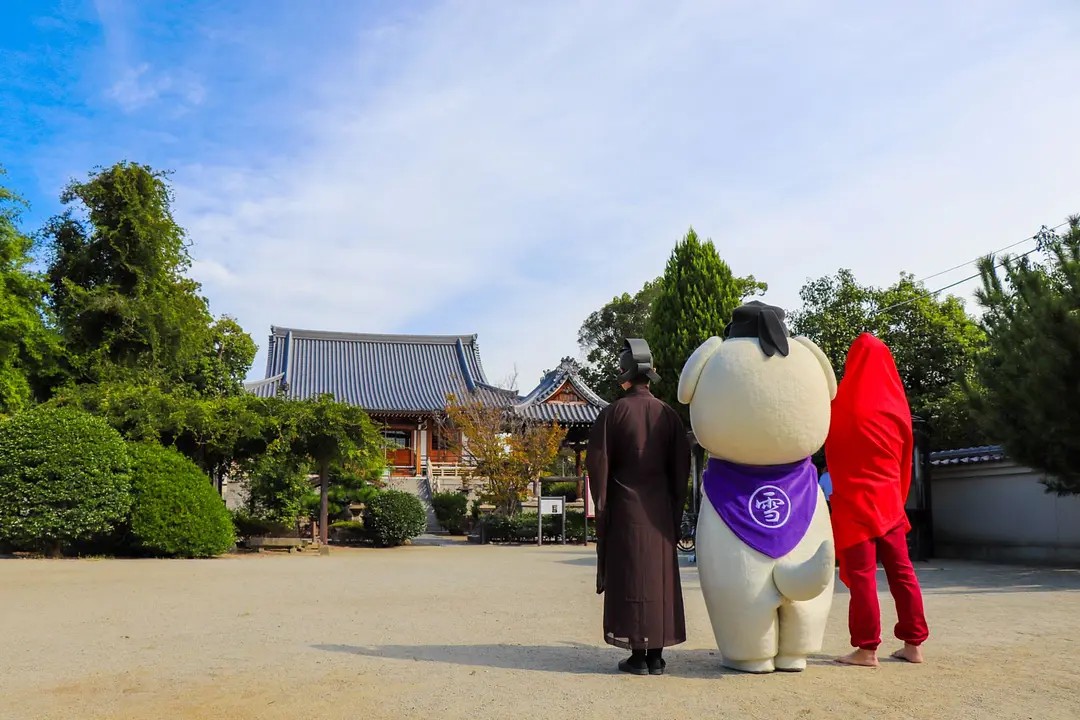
x,y
634,666
656,665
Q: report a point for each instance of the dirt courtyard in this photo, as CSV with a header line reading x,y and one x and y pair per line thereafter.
x,y
454,631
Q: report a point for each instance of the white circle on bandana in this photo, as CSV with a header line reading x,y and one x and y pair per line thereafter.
x,y
775,507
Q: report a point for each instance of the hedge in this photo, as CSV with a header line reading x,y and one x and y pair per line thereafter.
x,y
64,477
522,528
176,511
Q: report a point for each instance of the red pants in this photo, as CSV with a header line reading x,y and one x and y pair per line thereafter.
x,y
864,614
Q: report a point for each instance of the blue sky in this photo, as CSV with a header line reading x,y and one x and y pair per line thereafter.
x,y
505,168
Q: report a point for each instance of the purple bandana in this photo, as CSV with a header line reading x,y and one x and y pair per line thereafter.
x,y
769,507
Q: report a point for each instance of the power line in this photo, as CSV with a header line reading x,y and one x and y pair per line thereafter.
x,y
1036,236
1043,232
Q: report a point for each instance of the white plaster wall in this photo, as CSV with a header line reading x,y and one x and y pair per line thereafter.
x,y
1000,512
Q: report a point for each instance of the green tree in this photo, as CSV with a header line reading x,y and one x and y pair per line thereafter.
x,y
934,342
835,310
28,347
602,334
214,432
119,289
697,296
278,487
1027,394
333,434
349,483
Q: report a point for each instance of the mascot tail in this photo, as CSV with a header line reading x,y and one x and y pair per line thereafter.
x,y
806,580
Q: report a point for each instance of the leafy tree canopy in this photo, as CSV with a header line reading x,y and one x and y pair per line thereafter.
x,y
28,347
1027,393
603,332
694,302
123,302
934,341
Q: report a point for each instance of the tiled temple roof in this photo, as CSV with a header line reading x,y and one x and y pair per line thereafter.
x,y
537,405
968,456
408,374
380,373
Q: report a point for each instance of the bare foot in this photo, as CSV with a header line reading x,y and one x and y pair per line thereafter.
x,y
862,658
909,653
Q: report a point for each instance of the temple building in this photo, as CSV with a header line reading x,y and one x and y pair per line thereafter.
x,y
403,381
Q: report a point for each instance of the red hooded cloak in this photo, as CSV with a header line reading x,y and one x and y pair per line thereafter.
x,y
869,447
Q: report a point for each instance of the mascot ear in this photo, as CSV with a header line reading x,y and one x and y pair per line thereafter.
x,y
691,371
826,366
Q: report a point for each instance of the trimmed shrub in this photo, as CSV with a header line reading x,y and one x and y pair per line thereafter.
x,y
248,525
348,531
64,478
522,528
567,490
176,510
451,510
394,516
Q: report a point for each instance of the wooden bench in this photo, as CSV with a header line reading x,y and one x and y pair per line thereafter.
x,y
291,544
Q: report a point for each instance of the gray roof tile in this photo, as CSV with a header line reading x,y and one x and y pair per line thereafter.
x,y
968,456
406,374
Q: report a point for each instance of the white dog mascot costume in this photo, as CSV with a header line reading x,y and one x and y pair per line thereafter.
x,y
760,405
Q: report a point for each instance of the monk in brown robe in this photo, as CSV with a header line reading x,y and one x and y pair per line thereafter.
x,y
639,463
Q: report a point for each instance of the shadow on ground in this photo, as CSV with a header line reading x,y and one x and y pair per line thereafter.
x,y
572,658
947,577
950,577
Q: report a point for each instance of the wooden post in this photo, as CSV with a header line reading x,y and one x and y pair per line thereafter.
x,y
416,447
577,470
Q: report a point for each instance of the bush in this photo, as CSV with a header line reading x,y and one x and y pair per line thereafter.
x,y
567,490
348,531
248,525
522,528
394,516
64,478
451,510
176,510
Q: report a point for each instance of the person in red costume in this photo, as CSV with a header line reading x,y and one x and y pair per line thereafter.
x,y
869,448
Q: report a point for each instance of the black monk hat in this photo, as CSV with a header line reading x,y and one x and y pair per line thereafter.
x,y
635,361
755,319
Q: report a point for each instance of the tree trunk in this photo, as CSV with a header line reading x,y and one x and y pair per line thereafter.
x,y
54,549
324,502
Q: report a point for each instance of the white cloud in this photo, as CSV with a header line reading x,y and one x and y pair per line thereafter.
x,y
505,168
138,87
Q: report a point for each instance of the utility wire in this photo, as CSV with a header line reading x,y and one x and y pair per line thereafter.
x,y
1042,233
1036,236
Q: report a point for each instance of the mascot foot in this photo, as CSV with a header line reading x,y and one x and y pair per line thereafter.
x,y
908,653
750,666
790,663
861,658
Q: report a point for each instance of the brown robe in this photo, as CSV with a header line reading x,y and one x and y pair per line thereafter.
x,y
639,464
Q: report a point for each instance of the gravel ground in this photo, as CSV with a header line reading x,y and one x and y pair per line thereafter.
x,y
454,631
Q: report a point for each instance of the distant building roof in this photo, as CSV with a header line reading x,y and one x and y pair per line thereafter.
x,y
968,456
410,375
562,396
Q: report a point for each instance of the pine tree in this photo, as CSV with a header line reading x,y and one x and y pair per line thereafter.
x,y
697,296
1027,395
